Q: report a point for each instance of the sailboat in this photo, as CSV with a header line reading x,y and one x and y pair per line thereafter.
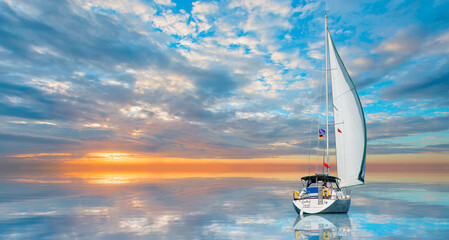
x,y
323,193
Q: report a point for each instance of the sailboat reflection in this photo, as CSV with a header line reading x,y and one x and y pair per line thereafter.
x,y
325,226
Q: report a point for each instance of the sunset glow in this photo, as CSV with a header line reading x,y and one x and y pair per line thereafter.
x,y
183,89
197,119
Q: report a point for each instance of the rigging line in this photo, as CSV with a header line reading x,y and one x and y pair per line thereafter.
x,y
309,141
348,91
322,69
311,132
320,100
314,124
317,99
324,157
326,10
313,120
326,49
316,161
323,98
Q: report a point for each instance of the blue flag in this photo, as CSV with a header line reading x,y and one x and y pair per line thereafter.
x,y
322,132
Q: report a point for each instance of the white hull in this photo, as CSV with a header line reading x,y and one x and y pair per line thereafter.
x,y
311,206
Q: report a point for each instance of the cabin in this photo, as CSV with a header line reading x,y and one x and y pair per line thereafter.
x,y
320,183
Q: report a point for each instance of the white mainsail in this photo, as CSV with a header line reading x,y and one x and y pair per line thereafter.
x,y
349,122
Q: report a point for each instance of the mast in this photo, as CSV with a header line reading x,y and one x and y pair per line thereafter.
x,y
327,89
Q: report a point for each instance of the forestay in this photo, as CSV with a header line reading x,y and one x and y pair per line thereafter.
x,y
349,122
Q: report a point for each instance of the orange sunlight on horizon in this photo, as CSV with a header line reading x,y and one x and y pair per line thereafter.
x,y
100,158
124,168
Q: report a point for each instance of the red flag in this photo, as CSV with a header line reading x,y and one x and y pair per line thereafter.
x,y
339,130
326,165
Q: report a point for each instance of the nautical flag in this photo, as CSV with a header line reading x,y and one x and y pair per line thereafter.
x,y
321,131
321,136
339,130
325,164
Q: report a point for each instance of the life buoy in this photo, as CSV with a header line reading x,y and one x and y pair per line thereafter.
x,y
297,234
326,235
325,192
295,195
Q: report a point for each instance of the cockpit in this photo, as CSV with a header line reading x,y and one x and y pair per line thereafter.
x,y
324,181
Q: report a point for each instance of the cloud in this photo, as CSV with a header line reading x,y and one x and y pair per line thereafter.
x,y
402,46
29,144
165,2
422,88
263,7
307,9
204,8
397,148
28,102
173,23
406,126
35,139
135,7
199,79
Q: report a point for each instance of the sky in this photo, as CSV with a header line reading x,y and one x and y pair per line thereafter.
x,y
216,81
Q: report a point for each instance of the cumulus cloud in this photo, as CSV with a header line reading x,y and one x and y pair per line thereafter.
x,y
135,7
214,79
432,86
402,46
406,126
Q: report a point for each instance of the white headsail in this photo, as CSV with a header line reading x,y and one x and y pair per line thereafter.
x,y
349,121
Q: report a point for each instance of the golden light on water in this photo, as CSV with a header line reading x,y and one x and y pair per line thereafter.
x,y
117,177
118,174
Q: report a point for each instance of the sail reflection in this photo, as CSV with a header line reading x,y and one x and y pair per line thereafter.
x,y
325,226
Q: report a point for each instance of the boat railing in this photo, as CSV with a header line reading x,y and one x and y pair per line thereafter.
x,y
312,193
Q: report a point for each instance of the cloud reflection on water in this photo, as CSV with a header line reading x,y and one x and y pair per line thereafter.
x,y
204,208
322,226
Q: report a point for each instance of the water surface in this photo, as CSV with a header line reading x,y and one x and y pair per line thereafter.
x,y
211,208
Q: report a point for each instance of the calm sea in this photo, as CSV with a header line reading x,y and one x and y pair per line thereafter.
x,y
211,208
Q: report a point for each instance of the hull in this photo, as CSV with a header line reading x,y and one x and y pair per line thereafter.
x,y
311,206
